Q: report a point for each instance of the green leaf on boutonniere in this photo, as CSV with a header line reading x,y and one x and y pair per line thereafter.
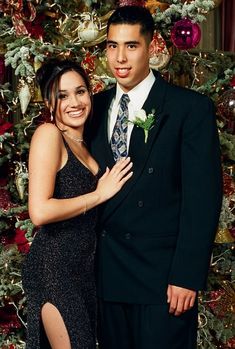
x,y
144,121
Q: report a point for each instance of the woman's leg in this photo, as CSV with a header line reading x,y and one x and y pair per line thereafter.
x,y
55,328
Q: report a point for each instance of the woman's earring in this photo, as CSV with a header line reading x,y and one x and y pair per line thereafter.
x,y
52,117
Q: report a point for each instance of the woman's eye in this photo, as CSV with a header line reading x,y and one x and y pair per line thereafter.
x,y
62,96
81,92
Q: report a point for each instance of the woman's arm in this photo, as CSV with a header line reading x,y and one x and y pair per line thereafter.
x,y
45,159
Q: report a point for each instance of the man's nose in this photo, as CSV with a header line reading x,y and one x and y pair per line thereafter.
x,y
121,55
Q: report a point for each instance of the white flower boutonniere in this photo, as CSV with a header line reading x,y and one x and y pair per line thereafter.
x,y
141,119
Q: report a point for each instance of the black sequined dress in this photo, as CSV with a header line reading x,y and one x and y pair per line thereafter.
x,y
60,265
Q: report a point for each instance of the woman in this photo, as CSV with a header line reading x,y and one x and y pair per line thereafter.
x,y
64,189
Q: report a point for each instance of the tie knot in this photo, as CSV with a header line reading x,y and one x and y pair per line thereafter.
x,y
124,99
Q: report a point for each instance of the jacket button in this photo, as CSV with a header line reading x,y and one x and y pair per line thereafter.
x,y
140,203
127,236
150,170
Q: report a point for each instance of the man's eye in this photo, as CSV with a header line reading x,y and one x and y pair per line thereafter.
x,y
112,46
132,46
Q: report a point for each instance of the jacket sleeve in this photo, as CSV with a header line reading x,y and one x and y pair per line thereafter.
x,y
201,196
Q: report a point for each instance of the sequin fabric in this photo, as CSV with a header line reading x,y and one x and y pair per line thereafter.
x,y
60,265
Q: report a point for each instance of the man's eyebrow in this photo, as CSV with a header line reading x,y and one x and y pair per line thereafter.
x,y
132,42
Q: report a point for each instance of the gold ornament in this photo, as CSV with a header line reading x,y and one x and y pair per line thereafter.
x,y
223,236
25,91
21,178
152,5
160,55
86,28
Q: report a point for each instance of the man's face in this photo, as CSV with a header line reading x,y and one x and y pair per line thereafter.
x,y
128,53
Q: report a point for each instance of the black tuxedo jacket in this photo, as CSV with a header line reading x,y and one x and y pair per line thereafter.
x,y
159,229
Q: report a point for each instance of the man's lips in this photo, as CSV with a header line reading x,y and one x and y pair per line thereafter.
x,y
122,72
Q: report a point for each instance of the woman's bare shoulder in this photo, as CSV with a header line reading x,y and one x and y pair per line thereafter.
x,y
46,133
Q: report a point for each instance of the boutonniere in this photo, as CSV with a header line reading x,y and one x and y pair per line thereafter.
x,y
144,121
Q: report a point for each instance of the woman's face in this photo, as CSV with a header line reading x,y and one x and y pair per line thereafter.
x,y
73,101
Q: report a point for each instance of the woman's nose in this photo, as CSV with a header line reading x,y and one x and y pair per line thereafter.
x,y
74,100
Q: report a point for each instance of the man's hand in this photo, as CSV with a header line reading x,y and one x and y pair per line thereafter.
x,y
180,299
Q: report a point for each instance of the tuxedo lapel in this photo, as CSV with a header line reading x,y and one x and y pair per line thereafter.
x,y
139,150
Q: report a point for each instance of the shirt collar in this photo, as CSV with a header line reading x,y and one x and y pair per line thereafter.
x,y
139,93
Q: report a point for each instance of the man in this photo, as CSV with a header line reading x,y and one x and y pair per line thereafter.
x,y
156,234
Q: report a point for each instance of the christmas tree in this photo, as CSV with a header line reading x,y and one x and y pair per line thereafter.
x,y
31,31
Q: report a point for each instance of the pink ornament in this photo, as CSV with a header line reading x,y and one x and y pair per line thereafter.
x,y
185,34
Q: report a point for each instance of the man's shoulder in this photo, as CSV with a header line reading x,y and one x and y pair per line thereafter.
x,y
104,95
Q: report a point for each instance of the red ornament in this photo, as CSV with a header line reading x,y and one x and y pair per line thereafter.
x,y
88,62
4,126
97,85
35,28
226,105
232,82
21,241
185,34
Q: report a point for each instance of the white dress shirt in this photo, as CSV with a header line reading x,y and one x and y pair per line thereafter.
x,y
138,96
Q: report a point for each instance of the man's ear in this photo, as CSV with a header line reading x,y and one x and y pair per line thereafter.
x,y
151,48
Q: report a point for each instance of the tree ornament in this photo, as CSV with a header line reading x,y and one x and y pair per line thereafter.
x,y
131,3
24,95
5,126
21,178
88,27
19,11
160,55
185,34
226,105
154,5
223,236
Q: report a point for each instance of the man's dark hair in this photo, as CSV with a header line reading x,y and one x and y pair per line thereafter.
x,y
133,15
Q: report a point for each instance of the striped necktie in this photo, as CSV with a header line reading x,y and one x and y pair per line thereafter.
x,y
119,137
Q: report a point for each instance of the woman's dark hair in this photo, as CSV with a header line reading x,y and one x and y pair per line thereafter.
x,y
49,74
133,15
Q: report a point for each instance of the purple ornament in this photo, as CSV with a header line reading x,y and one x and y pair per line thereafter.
x,y
185,34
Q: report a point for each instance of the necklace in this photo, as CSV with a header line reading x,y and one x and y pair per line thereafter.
x,y
76,139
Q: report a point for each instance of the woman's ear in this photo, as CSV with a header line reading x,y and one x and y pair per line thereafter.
x,y
46,103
